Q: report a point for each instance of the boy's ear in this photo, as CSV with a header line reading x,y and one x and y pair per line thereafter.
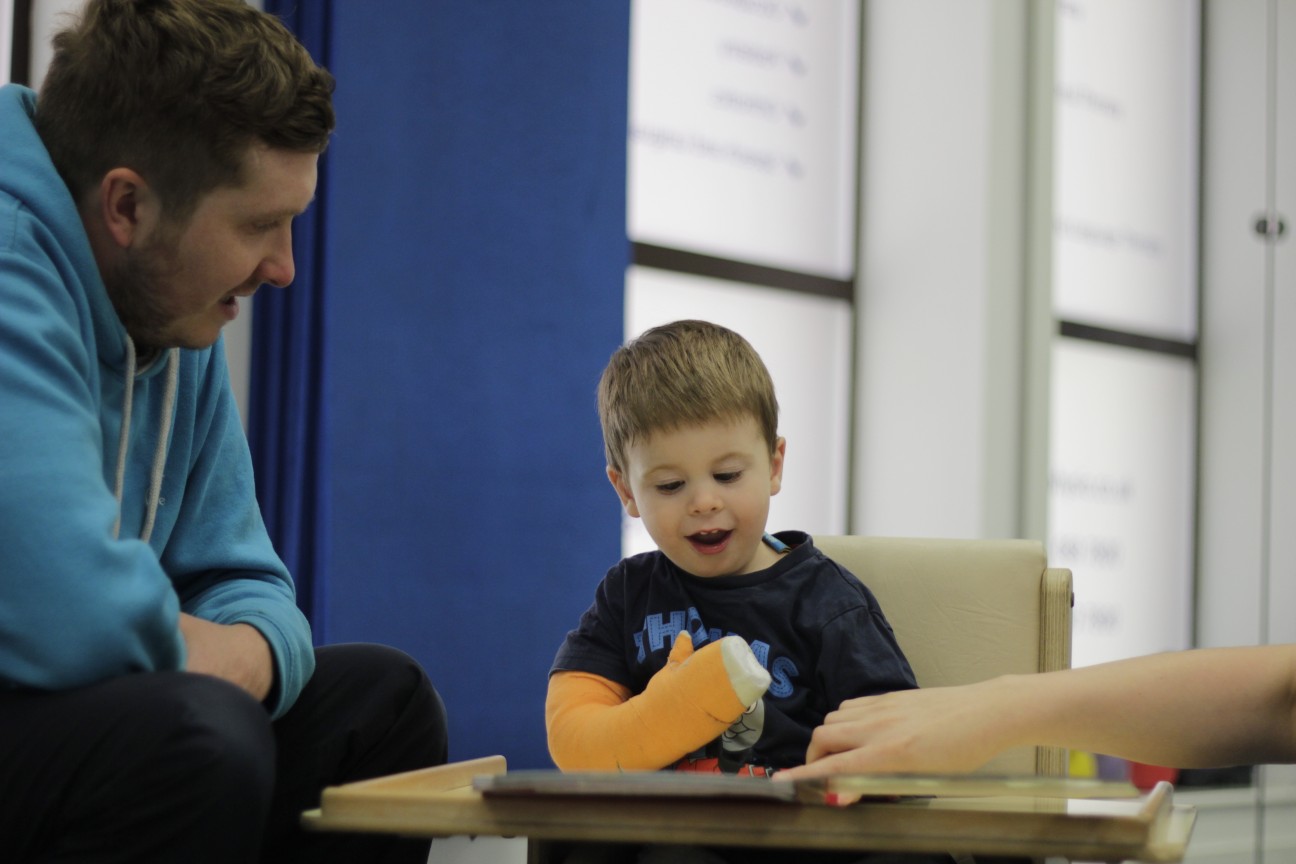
x,y
776,465
623,491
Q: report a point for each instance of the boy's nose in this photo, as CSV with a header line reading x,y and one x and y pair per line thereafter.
x,y
707,501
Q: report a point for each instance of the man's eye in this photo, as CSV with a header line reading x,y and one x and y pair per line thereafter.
x,y
728,476
673,486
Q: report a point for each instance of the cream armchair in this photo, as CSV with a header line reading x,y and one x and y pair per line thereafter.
x,y
967,610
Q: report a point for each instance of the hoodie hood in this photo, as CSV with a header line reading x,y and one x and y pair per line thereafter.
x,y
29,180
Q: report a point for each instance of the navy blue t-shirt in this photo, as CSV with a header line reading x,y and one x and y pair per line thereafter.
x,y
815,628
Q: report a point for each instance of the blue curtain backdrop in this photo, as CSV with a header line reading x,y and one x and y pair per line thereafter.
x,y
287,414
442,469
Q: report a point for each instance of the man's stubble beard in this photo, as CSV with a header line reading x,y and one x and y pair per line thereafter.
x,y
137,289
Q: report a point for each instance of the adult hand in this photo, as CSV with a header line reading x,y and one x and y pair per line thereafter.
x,y
238,653
1203,708
937,730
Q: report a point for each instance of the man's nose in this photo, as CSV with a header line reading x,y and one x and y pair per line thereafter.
x,y
278,268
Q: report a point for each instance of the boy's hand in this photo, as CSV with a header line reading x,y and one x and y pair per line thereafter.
x,y
746,675
595,725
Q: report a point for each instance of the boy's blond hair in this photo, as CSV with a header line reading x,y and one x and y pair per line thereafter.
x,y
682,374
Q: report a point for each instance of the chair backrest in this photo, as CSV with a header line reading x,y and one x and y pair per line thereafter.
x,y
968,610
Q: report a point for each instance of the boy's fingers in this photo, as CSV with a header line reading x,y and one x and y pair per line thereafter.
x,y
682,649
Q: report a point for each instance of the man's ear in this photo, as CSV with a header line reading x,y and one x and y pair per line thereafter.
x,y
623,491
776,465
127,206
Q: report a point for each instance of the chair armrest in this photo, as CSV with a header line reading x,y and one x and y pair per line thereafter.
x,y
1056,600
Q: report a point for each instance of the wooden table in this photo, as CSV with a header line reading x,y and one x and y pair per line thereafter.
x,y
441,802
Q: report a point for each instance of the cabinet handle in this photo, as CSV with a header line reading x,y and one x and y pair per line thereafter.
x,y
1271,227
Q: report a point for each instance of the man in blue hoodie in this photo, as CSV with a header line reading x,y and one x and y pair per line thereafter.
x,y
160,699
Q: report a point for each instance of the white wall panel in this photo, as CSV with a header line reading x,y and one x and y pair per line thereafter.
x,y
1126,165
742,131
1121,496
940,296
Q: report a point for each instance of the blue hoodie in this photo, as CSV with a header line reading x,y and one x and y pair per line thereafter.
x,y
109,530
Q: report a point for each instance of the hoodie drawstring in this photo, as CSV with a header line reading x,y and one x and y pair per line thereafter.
x,y
123,437
164,433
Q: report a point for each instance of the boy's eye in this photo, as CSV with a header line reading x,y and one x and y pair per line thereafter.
x,y
728,476
672,486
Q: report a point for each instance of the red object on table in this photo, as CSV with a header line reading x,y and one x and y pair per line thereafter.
x,y
1144,777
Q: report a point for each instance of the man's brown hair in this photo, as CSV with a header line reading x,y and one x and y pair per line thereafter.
x,y
682,374
178,90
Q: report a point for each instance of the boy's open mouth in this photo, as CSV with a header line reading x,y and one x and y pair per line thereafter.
x,y
709,541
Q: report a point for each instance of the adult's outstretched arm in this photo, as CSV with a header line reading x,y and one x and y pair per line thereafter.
x,y
1200,708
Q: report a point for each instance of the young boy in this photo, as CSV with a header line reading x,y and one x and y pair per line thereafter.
x,y
725,648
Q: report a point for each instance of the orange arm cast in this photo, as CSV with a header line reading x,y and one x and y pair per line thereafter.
x,y
596,725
